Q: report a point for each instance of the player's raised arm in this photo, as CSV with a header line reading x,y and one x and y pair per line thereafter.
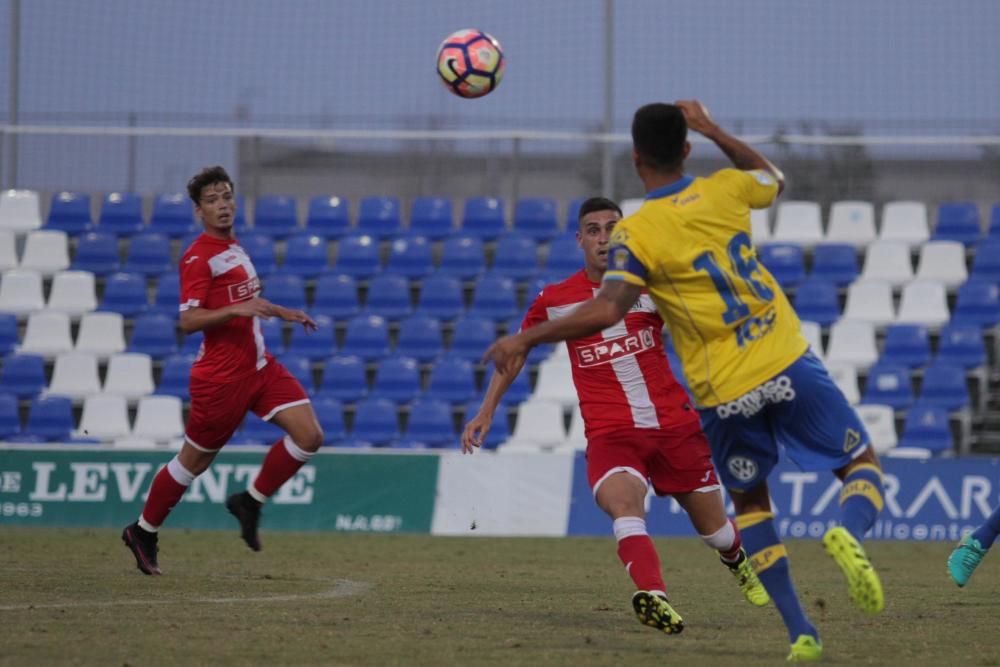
x,y
742,155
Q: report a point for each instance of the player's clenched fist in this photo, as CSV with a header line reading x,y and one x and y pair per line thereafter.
x,y
696,115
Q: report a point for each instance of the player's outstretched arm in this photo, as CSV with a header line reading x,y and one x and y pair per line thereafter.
x,y
476,429
197,319
742,155
290,315
607,308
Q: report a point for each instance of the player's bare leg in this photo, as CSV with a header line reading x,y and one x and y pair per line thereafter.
x,y
283,460
707,513
623,496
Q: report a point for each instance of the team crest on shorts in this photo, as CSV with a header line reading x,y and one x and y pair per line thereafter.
x,y
742,468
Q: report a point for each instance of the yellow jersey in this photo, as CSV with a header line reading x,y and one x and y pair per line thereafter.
x,y
689,245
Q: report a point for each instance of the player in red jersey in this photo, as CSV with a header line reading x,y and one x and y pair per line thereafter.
x,y
641,429
232,375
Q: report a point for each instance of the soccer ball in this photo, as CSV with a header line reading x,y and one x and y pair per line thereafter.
x,y
470,63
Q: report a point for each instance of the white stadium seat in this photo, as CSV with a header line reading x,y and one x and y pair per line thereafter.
x,y
75,375
47,334
924,302
8,250
105,417
159,418
760,225
20,210
46,251
577,438
845,376
130,375
880,422
851,222
813,333
102,334
73,293
870,301
852,342
21,292
539,425
630,206
555,382
906,222
889,261
798,222
943,261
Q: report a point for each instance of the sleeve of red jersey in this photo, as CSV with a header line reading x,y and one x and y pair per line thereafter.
x,y
537,312
196,276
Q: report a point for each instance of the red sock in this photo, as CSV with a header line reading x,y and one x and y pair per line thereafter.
x,y
165,492
638,554
282,461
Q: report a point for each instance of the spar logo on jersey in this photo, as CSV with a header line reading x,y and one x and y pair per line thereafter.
x,y
611,349
244,290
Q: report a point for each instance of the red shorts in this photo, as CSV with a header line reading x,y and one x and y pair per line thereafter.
x,y
675,460
218,409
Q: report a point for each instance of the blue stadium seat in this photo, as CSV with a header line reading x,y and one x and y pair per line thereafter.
x,y
430,423
494,297
70,212
155,335
344,379
389,296
452,380
379,216
411,257
397,379
50,419
907,345
173,216
121,214
314,345
419,337
835,262
148,254
958,221
358,256
301,368
8,333
191,343
167,297
573,216
375,422
483,218
10,419
273,331
97,252
517,393
816,300
944,386
994,230
978,303
275,216
431,217
441,297
125,294
330,414
329,217
539,353
285,289
473,334
463,257
336,296
962,344
499,429
565,257
260,249
515,257
367,337
175,376
536,217
927,427
239,220
785,261
890,385
257,431
986,264
305,255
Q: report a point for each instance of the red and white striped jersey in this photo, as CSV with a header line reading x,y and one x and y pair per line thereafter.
x,y
216,273
621,374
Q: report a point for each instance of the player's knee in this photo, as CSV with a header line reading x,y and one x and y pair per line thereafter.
x,y
619,505
312,440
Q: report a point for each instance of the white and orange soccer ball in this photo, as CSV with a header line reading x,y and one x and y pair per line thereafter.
x,y
470,63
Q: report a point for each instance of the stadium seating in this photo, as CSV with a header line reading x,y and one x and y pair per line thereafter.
x,y
10,419
889,384
73,293
105,417
577,437
440,297
539,426
431,217
173,216
888,261
473,334
256,431
798,222
313,345
167,296
555,382
305,255
463,257
494,298
483,218
994,228
536,218
851,222
125,293
75,376
786,263
21,292
8,333
631,205
944,262
45,251
852,342
564,257
121,214
260,249
22,375
944,386
159,418
959,222
389,296
97,252
836,262
50,419
880,422
344,379
430,424
367,337
70,212
275,216
301,369
329,217
358,256
410,256
924,302
499,429
101,334
962,344
155,335
978,303
273,331
572,219
516,257
8,250
518,392
397,379
813,333
905,222
174,377
330,414
452,380
870,301
336,297
927,428
375,422
20,211
47,334
129,374
420,337
845,376
148,254
907,345
380,217
760,226
986,264
285,289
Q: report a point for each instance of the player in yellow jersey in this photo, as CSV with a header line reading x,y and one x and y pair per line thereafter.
x,y
748,366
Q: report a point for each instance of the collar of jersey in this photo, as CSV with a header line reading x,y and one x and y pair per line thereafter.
x,y
680,184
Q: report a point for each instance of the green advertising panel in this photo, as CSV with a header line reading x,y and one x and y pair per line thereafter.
x,y
75,486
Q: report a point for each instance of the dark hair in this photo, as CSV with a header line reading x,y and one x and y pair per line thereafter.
x,y
658,135
597,204
205,177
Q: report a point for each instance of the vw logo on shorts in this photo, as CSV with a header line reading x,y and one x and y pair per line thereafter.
x,y
742,468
